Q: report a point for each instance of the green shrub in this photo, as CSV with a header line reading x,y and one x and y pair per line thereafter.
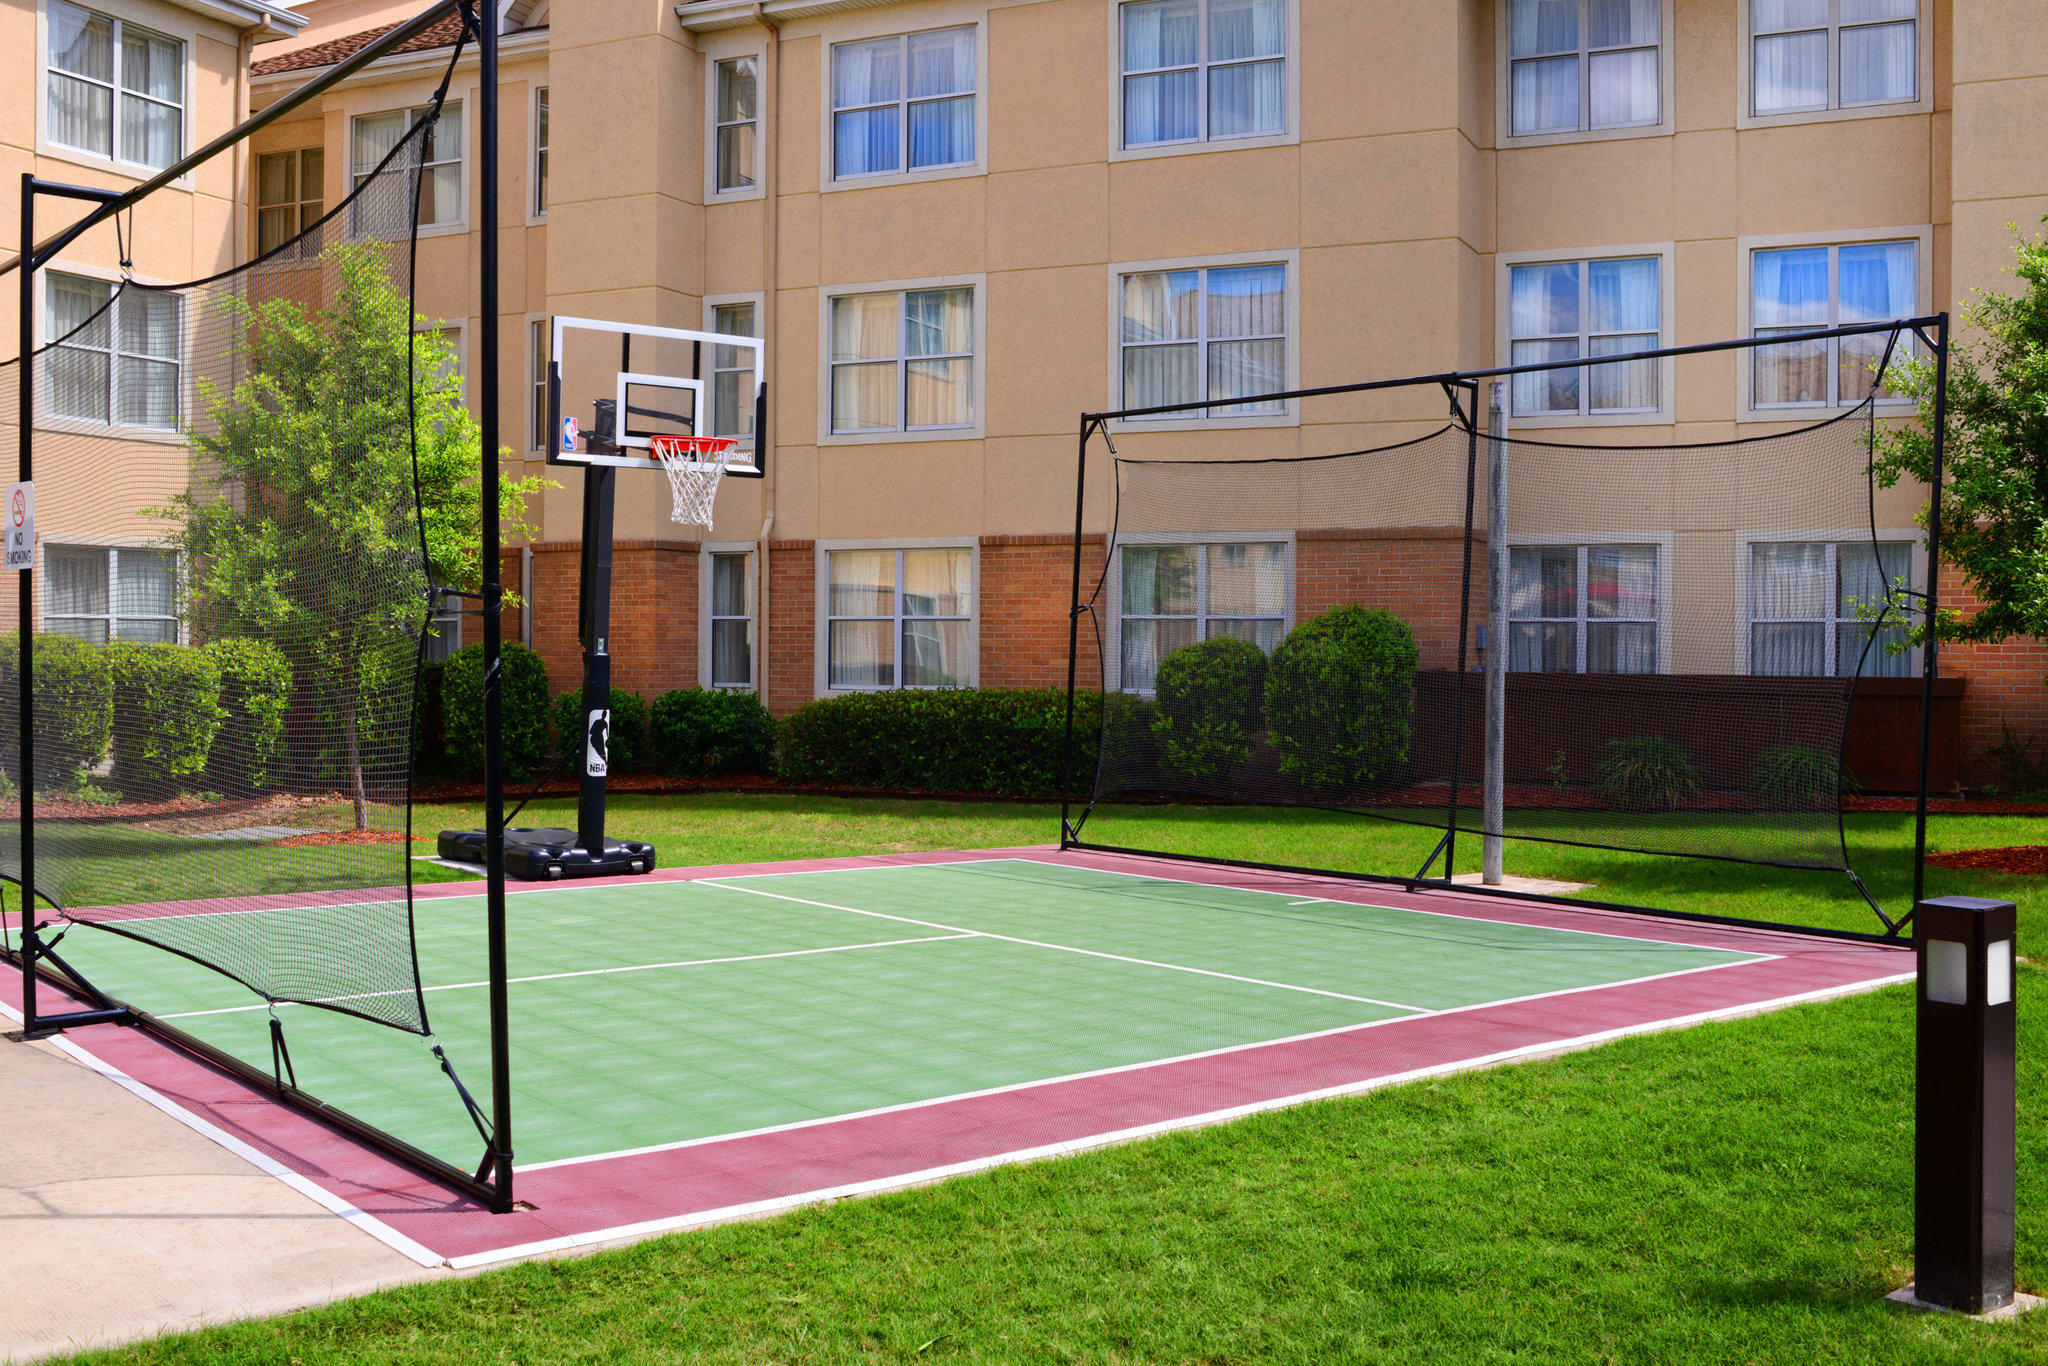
x,y
711,730
1002,741
1646,773
1794,776
255,691
525,706
429,725
1209,699
166,714
74,707
1340,699
628,747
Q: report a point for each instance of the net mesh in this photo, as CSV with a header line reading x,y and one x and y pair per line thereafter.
x,y
696,466
1685,630
231,599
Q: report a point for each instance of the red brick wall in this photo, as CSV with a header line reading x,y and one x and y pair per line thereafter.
x,y
1413,572
1026,588
2007,687
792,620
654,614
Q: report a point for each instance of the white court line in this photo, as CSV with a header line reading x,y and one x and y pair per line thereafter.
x,y
1069,948
587,972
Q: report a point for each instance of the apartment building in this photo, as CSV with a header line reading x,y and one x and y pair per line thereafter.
x,y
958,224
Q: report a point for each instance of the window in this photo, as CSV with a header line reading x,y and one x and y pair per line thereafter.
x,y
1589,609
1811,604
540,153
1175,595
1811,55
112,360
736,124
732,620
899,618
1803,289
1578,66
1203,70
143,603
1565,310
903,362
115,88
732,373
537,351
1208,333
440,194
444,634
902,104
290,197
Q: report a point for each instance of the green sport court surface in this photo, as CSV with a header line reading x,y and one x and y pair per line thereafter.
x,y
704,1041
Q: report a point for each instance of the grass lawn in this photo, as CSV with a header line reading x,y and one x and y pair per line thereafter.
x,y
1738,1192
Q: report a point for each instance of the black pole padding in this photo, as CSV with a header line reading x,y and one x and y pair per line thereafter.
x,y
1965,1111
25,603
599,490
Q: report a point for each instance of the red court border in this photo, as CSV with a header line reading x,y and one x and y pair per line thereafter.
x,y
594,1200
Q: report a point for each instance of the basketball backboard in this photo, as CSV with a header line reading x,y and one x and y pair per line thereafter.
x,y
613,387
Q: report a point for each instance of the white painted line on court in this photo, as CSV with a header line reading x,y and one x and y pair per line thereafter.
x,y
776,1205
589,972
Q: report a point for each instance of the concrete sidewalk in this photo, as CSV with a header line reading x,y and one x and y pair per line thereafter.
x,y
121,1223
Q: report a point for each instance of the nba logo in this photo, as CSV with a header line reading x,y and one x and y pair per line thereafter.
x,y
569,433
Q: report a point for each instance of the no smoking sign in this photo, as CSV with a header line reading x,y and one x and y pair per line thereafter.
x,y
21,526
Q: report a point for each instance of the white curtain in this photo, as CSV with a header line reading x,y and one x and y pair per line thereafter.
x,y
867,141
1247,580
1790,294
151,132
1790,58
1247,98
861,584
1868,575
942,130
1623,23
1541,647
1545,97
1543,581
78,373
1622,88
1164,106
1540,26
1158,581
1623,303
148,380
1877,282
1543,323
732,654
936,584
1161,307
148,585
1878,63
81,111
1621,609
864,394
1247,302
939,322
76,582
1790,598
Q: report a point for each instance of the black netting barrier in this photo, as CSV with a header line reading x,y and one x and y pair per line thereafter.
x,y
1685,631
231,590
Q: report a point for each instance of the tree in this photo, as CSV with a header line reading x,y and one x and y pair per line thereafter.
x,y
298,527
1994,494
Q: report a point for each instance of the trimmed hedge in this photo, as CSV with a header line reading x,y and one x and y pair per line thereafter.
x,y
1209,698
710,730
995,740
1340,699
629,730
166,714
74,690
526,707
255,690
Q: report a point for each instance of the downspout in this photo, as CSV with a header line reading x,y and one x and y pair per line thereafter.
x,y
771,218
245,186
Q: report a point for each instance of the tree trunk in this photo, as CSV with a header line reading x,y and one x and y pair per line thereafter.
x,y
352,753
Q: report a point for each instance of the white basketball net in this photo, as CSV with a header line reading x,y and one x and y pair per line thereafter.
x,y
695,465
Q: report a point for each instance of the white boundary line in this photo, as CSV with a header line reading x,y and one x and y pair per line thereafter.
x,y
759,1208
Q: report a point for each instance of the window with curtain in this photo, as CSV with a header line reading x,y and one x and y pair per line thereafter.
x,y
1175,595
903,362
114,88
904,103
899,618
100,593
540,152
736,123
732,620
1588,609
537,389
290,197
440,191
1577,66
1217,332
1812,605
1203,70
1569,310
112,359
732,373
1809,55
1805,289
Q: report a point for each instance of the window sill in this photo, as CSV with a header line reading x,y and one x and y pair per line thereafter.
x,y
1886,110
112,431
1662,129
1290,418
1153,151
132,170
1812,412
833,185
734,196
974,433
1537,422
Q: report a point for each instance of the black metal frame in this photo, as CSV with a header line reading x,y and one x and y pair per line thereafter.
x,y
491,1184
1931,329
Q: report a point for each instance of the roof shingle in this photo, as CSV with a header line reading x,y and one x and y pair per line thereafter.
x,y
442,34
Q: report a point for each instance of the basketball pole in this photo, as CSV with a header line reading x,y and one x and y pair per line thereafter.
x,y
1495,795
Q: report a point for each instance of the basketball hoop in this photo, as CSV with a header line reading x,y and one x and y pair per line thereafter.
x,y
695,465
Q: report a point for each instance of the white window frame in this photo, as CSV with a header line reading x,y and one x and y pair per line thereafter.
x,y
46,338
829,180
714,302
537,200
1834,539
459,341
1667,302
298,204
705,617
460,160
712,125
1745,67
112,550
822,639
1745,292
538,338
972,431
117,11
1291,60
1288,414
1504,84
1113,650
1665,544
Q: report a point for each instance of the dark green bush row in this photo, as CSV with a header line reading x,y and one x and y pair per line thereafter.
x,y
255,690
704,730
526,709
166,714
945,740
74,691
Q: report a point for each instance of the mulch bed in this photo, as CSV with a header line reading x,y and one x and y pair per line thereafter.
x,y
2018,858
346,837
